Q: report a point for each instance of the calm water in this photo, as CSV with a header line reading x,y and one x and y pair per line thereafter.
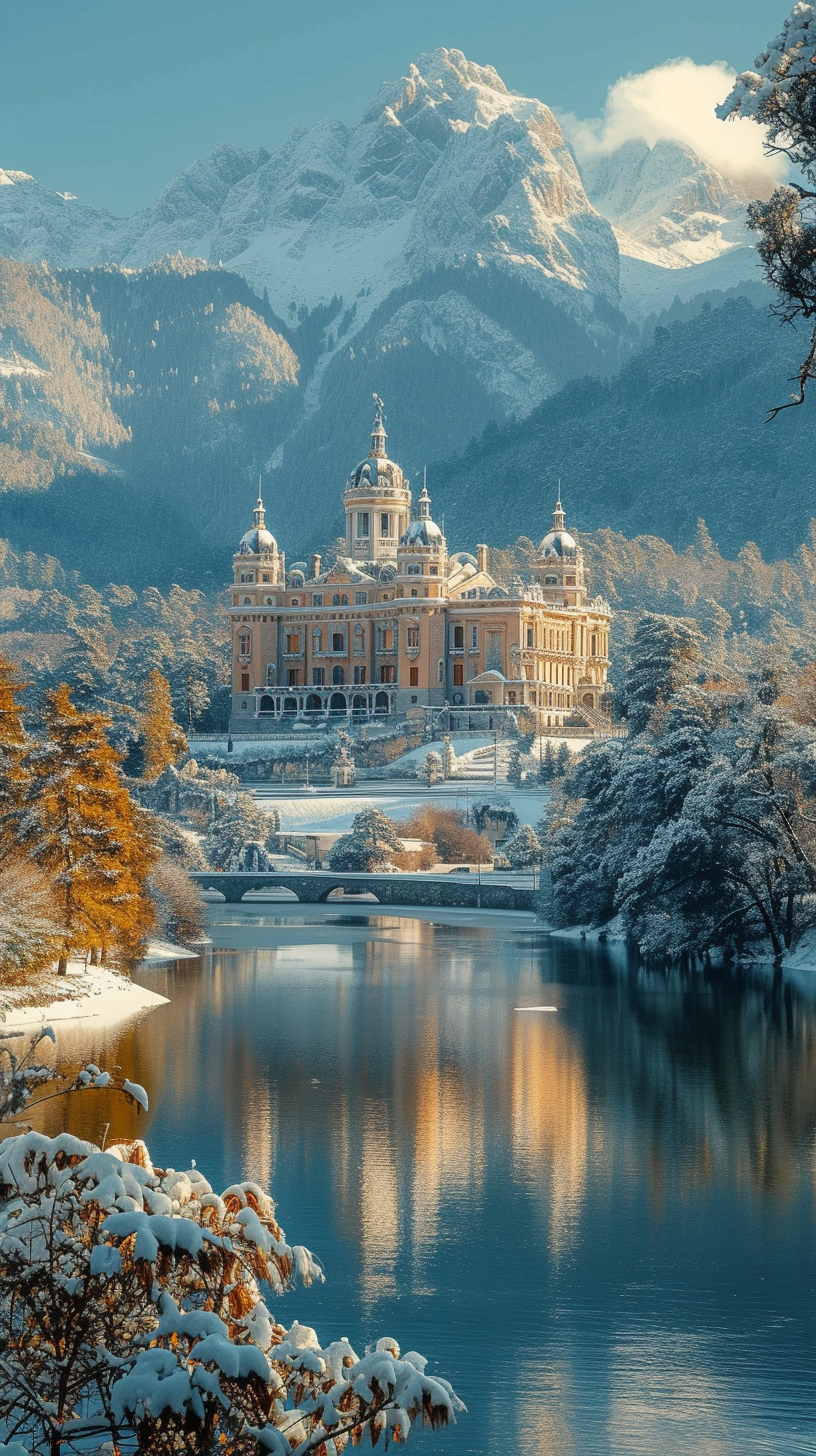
x,y
598,1222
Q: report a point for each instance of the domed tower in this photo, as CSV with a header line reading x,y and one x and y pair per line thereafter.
x,y
422,553
257,562
559,566
376,500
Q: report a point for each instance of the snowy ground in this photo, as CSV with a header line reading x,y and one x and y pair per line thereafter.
x,y
85,993
333,812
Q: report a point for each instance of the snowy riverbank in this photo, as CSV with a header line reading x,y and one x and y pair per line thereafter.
x,y
86,993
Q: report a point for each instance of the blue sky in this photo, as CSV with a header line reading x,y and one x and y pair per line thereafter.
x,y
108,100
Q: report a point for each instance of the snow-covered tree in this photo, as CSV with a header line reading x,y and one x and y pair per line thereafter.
x,y
666,653
524,849
434,767
370,845
238,823
82,828
781,96
134,1317
30,926
162,740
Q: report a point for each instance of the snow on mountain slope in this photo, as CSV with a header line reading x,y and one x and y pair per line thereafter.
x,y
445,164
667,205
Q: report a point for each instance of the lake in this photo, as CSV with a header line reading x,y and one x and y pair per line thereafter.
x,y
597,1221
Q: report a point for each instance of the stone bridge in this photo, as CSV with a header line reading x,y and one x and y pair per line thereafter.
x,y
315,886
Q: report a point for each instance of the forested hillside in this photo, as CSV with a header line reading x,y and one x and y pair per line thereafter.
x,y
679,434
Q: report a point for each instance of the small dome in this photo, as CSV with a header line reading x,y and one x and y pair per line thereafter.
x,y
558,544
423,532
257,541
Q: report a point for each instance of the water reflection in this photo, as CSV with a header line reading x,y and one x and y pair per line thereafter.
x,y
612,1205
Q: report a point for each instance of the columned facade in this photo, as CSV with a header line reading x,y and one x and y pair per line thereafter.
x,y
399,622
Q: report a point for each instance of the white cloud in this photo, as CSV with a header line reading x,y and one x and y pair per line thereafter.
x,y
677,100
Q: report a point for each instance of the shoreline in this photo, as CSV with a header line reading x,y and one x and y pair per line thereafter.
x,y
85,993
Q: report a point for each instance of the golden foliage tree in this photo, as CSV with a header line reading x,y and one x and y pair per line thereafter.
x,y
13,744
82,827
163,741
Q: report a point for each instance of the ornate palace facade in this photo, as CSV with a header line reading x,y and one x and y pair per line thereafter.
x,y
398,622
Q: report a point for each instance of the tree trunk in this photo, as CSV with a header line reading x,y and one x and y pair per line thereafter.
x,y
62,966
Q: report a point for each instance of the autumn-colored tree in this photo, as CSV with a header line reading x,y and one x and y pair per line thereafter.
x,y
447,831
81,826
162,739
13,746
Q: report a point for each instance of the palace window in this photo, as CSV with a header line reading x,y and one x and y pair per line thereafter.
x,y
570,580
458,674
318,677
293,642
529,636
551,581
247,601
266,576
385,639
295,601
338,641
338,676
359,674
336,599
317,599
271,674
434,570
387,673
412,641
244,644
413,677
362,524
244,682
493,661
458,638
247,576
317,640
344,600
360,599
359,640
414,592
385,525
593,646
293,677
440,671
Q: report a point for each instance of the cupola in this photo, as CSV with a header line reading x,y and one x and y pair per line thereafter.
x,y
257,541
559,565
376,500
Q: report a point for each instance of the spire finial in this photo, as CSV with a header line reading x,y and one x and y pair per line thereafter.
x,y
559,519
378,436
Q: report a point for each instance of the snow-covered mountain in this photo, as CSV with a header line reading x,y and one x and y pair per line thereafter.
x,y
446,252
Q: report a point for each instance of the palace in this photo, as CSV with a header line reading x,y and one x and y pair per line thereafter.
x,y
399,623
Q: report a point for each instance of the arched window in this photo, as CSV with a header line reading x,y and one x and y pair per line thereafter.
x,y
336,599
344,600
317,640
271,674
267,705
247,601
551,581
338,676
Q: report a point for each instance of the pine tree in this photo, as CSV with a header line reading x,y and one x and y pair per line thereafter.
x,y
13,747
163,741
81,826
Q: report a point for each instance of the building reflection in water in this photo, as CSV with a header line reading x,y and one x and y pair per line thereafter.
x,y
522,1169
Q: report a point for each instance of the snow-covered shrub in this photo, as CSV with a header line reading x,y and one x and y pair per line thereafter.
x,y
239,823
434,767
180,911
372,844
31,929
524,849
132,1318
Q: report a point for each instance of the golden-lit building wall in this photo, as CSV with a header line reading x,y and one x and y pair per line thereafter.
x,y
400,623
